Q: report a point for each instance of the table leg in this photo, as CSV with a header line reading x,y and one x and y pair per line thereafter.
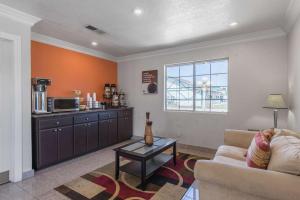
x,y
143,175
174,153
117,166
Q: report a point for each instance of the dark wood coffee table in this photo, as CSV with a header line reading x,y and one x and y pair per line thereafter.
x,y
145,160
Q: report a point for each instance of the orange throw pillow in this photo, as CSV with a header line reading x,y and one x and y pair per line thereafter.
x,y
259,152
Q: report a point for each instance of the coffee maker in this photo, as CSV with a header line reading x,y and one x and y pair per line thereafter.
x,y
39,94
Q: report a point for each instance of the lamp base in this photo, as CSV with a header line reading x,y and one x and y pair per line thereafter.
x,y
275,118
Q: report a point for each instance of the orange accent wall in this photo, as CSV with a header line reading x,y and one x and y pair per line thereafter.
x,y
70,70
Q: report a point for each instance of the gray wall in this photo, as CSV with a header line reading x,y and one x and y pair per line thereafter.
x,y
256,69
294,75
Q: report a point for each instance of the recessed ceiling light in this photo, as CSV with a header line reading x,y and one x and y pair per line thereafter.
x,y
232,24
94,43
138,11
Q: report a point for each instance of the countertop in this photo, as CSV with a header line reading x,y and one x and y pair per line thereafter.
x,y
78,112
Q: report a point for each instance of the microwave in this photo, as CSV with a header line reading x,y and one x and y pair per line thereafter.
x,y
62,104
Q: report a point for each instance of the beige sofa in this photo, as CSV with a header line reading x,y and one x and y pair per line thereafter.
x,y
228,177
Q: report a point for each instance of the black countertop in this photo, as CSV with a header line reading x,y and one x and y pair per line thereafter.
x,y
77,112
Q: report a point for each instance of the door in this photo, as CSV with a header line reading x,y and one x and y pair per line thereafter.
x,y
6,107
103,133
92,136
48,147
65,143
80,139
113,131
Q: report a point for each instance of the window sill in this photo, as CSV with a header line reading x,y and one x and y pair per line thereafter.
x,y
196,112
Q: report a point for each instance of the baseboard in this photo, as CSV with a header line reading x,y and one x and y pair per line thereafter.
x,y
203,149
28,174
4,177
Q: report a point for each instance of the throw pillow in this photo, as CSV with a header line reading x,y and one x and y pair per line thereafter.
x,y
285,155
268,133
258,154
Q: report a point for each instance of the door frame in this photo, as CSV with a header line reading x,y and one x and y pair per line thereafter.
x,y
16,146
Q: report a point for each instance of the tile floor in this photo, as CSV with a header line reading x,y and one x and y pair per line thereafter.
x,y
40,187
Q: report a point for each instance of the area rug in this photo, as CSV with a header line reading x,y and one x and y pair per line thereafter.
x,y
168,182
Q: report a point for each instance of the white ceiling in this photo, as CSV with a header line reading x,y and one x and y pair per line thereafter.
x,y
165,23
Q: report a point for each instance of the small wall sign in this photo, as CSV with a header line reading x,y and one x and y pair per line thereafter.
x,y
149,81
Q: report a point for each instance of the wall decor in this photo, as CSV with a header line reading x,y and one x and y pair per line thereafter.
x,y
149,81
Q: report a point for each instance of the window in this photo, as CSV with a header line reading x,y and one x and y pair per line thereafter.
x,y
197,86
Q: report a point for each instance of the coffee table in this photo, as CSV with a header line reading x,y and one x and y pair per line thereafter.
x,y
145,160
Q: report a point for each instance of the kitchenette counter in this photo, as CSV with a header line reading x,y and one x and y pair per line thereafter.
x,y
57,137
78,112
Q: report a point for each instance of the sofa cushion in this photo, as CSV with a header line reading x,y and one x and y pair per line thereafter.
x,y
286,132
259,153
285,155
232,152
230,161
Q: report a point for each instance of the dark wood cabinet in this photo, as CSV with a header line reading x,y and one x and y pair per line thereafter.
x,y
55,122
48,147
103,133
113,131
65,143
80,139
108,132
92,136
125,125
58,137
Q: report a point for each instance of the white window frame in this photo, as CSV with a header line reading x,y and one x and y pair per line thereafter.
x,y
194,86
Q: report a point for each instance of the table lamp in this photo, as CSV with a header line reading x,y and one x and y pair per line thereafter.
x,y
275,102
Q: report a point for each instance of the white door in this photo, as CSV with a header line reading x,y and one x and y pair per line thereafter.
x,y
6,105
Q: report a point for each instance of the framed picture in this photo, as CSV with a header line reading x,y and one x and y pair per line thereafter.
x,y
149,82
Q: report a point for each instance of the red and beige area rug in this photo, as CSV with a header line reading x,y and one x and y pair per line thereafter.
x,y
168,182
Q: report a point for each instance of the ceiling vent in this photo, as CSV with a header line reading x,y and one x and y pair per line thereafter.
x,y
94,29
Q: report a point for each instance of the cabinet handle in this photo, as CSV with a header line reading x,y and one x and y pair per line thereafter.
x,y
86,118
55,130
57,123
59,129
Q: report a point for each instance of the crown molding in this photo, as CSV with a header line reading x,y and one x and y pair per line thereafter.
x,y
18,15
266,34
291,15
70,46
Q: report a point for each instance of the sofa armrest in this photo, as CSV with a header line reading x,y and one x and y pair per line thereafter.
x,y
238,138
264,183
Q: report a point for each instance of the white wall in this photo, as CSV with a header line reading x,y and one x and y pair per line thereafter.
x,y
24,31
256,69
6,73
293,75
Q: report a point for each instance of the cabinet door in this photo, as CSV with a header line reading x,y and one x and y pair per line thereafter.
x,y
129,126
124,128
103,133
92,136
80,139
113,131
65,143
48,147
121,129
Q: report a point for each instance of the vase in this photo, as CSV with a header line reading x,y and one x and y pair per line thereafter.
x,y
148,136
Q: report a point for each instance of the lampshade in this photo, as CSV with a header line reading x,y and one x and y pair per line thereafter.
x,y
275,101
